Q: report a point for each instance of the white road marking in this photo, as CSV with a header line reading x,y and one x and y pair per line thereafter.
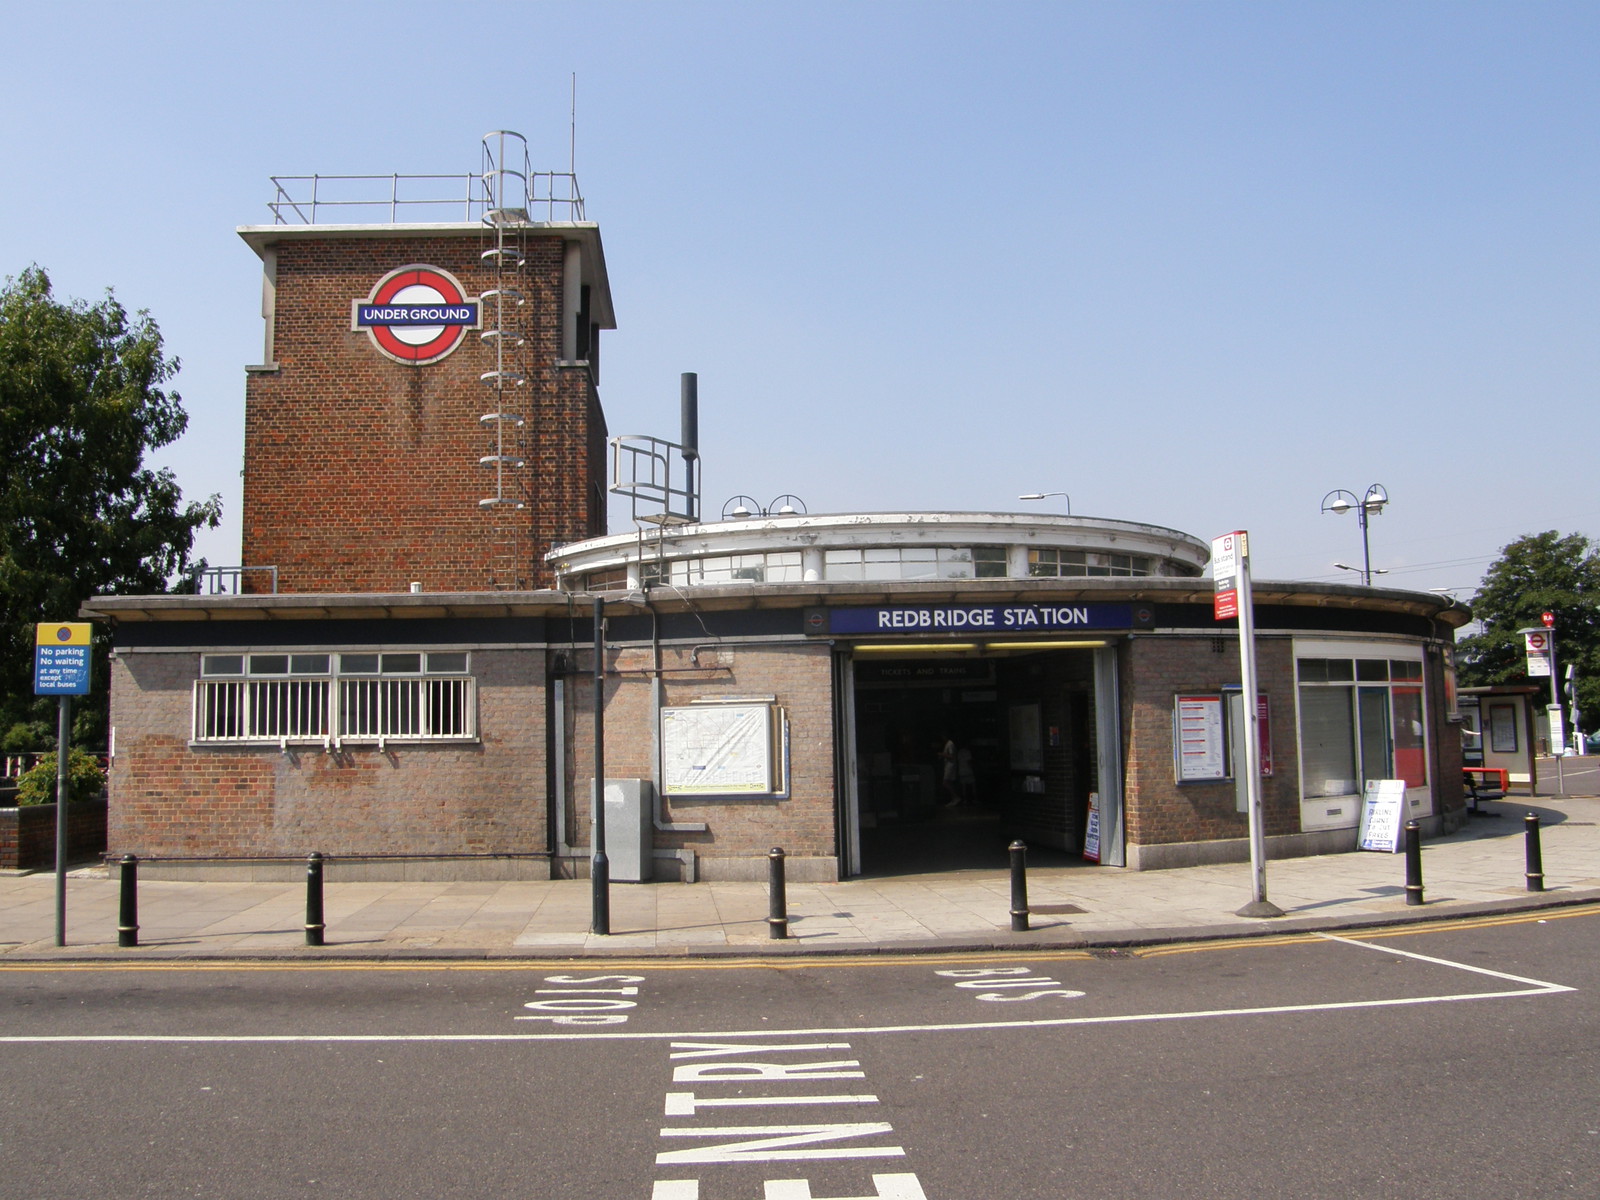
x,y
1445,962
1535,988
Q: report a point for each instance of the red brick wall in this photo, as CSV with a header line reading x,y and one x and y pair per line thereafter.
x,y
169,800
1160,810
799,676
28,835
362,474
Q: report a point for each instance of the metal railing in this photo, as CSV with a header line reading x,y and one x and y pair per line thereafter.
x,y
386,199
14,766
229,581
642,470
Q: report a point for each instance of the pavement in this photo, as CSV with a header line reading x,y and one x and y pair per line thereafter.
x,y
1480,869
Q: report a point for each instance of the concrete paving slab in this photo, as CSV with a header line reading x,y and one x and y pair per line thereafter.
x,y
1480,868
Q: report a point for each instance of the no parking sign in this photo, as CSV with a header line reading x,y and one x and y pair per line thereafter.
x,y
61,659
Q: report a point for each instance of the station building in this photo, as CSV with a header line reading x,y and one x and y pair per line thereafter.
x,y
401,675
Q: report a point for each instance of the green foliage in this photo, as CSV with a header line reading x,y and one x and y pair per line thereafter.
x,y
82,401
1539,573
85,779
24,737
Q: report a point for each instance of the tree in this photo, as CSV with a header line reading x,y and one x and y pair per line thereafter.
x,y
1536,574
82,401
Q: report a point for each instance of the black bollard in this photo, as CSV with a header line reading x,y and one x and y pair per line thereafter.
x,y
1535,857
777,896
128,911
1019,887
314,923
1413,863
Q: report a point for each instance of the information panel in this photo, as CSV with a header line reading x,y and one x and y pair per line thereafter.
x,y
1199,738
721,750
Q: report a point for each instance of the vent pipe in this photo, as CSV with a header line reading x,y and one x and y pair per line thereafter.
x,y
690,390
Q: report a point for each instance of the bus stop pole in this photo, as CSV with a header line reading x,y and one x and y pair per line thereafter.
x,y
599,864
63,733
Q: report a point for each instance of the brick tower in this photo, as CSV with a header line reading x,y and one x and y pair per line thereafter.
x,y
427,406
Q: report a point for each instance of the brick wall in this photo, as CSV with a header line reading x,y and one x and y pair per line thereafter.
x,y
362,474
1160,810
172,800
799,676
28,835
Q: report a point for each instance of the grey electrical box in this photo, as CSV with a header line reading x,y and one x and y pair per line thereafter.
x,y
629,828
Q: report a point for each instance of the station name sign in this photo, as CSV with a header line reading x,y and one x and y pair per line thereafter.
x,y
415,314
977,618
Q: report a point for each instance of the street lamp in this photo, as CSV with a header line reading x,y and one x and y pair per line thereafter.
x,y
1370,505
1046,496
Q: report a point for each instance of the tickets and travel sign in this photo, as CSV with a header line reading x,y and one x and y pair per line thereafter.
x,y
924,620
61,659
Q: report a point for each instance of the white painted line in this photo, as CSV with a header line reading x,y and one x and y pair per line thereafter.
x,y
644,1036
1535,988
1446,962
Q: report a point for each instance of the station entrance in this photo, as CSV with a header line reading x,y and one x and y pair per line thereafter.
x,y
955,756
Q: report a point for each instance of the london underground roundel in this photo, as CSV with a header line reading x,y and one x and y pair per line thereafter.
x,y
416,315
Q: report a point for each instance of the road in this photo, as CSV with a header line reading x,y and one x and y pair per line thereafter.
x,y
1437,1061
1575,775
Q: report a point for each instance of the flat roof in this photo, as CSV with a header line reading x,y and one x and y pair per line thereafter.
x,y
311,606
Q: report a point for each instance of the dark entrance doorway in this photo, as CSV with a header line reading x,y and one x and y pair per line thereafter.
x,y
958,756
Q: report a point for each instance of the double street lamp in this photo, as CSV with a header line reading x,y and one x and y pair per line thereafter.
x,y
1368,506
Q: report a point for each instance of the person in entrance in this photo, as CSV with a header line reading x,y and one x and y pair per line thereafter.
x,y
949,771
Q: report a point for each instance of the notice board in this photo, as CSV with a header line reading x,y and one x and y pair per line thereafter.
x,y
733,749
1197,737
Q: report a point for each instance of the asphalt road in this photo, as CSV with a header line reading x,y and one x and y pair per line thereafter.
x,y
1575,775
1450,1061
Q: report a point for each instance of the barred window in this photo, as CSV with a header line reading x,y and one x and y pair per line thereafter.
x,y
362,696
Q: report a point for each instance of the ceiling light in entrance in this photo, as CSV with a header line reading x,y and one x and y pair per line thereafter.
x,y
917,648
1080,644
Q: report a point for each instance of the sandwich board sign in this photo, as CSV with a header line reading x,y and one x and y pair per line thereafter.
x,y
1383,809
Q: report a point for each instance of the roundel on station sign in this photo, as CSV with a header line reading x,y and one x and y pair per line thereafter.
x,y
416,315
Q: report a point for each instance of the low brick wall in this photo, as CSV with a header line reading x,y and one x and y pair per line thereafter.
x,y
28,835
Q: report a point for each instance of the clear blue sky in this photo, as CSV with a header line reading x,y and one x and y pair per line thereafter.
x,y
1195,264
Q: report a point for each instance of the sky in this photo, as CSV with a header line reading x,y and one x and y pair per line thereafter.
x,y
1192,264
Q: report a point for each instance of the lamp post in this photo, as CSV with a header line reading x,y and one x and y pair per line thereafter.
x,y
1368,506
1046,496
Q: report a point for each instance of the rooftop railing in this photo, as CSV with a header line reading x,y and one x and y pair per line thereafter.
x,y
393,199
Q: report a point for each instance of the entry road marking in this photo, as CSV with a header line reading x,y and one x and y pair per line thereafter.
x,y
1535,987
